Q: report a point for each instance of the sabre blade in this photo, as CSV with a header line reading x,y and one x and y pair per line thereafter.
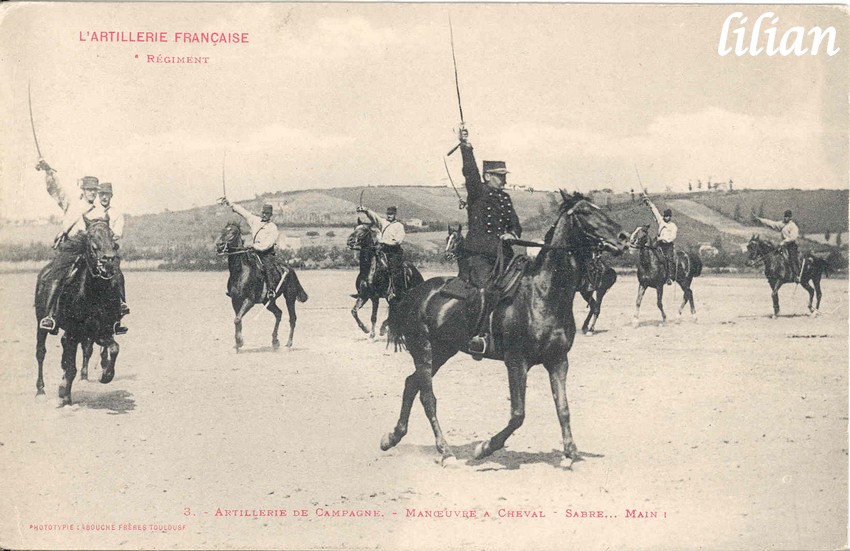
x,y
454,62
32,122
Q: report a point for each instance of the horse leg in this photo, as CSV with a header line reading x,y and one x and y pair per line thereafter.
x,y
805,285
659,293
69,368
278,313
108,356
357,306
237,321
517,378
774,294
411,389
818,294
293,317
641,291
597,309
423,359
374,318
588,298
558,383
87,345
40,352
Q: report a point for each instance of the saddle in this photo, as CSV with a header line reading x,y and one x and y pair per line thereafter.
x,y
278,272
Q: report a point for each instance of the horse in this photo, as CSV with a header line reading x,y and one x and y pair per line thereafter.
x,y
595,283
373,279
245,287
598,278
777,270
650,273
88,308
534,326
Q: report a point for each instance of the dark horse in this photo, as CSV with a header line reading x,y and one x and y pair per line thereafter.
x,y
88,308
597,276
245,287
373,280
777,270
534,326
650,273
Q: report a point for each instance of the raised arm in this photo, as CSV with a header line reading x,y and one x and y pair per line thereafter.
x,y
54,188
658,218
373,216
472,177
772,224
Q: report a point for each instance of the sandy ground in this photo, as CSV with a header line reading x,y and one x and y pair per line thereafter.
x,y
728,433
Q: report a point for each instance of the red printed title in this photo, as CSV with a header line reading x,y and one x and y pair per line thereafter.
x,y
213,38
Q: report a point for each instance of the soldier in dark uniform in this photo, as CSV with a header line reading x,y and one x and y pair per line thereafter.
x,y
491,221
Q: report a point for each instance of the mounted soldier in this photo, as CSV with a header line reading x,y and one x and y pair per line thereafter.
x,y
389,243
790,232
667,231
69,243
115,218
492,221
265,234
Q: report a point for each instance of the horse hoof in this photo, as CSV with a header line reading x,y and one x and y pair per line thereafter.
x,y
388,441
566,463
84,376
482,450
40,392
448,461
107,376
635,322
275,345
289,344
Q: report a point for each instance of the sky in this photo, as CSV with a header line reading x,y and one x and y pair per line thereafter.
x,y
329,95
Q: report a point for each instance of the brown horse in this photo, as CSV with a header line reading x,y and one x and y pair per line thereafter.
x,y
597,278
373,279
88,307
534,326
651,273
777,270
245,287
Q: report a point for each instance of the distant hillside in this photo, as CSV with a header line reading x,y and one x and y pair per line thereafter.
x,y
329,214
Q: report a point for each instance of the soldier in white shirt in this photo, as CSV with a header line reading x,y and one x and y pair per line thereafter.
x,y
667,231
391,238
265,234
789,231
115,218
69,243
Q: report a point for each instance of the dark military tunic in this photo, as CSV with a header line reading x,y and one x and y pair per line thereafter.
x,y
490,214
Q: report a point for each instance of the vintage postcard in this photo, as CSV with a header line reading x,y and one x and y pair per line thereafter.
x,y
423,276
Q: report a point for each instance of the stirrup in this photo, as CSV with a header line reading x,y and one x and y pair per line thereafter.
x,y
477,346
271,296
119,329
47,323
669,281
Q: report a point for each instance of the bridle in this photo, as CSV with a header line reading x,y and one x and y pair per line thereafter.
x,y
225,249
93,262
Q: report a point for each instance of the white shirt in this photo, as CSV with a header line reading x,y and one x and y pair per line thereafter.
x,y
115,218
72,221
265,233
666,230
392,233
789,232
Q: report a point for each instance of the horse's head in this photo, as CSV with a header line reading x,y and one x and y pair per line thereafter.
x,y
757,249
230,239
101,250
362,237
454,243
590,226
639,237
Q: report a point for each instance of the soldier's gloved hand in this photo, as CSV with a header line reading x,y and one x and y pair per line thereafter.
x,y
223,201
506,236
463,135
360,209
42,165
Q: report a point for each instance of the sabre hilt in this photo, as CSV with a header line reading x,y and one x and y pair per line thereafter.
x,y
462,134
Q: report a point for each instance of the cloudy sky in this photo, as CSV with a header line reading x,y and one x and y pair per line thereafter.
x,y
327,95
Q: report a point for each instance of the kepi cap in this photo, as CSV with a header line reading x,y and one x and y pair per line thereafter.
x,y
392,210
267,208
89,182
105,187
496,167
788,213
668,212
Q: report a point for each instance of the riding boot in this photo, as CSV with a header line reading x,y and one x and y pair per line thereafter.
x,y
480,344
118,288
48,322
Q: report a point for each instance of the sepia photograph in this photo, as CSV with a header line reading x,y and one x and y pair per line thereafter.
x,y
247,248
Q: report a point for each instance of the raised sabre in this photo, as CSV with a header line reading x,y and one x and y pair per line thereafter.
x,y
32,125
461,204
457,86
223,184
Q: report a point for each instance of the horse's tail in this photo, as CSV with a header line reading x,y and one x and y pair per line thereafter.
x,y
395,335
833,263
301,294
696,265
